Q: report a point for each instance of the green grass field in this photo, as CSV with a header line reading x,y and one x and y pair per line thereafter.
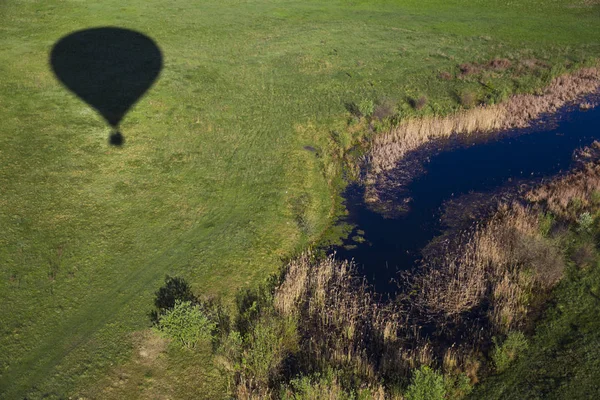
x,y
563,359
213,183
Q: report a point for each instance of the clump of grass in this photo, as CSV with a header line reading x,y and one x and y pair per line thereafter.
x,y
445,76
499,64
546,223
467,98
419,103
384,109
570,196
366,107
500,264
317,386
468,69
337,312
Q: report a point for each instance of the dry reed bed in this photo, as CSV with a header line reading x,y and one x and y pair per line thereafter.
x,y
342,323
388,148
482,283
572,194
500,264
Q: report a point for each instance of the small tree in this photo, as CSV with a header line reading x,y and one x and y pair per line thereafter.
x,y
426,384
175,288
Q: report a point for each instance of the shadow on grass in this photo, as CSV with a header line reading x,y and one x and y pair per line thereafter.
x,y
108,68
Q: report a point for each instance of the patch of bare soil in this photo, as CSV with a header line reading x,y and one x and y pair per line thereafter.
x,y
496,64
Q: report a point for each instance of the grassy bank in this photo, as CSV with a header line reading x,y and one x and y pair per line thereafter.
x,y
214,182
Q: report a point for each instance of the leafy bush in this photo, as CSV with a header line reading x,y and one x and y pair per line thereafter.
x,y
505,354
366,107
426,384
457,386
186,324
585,222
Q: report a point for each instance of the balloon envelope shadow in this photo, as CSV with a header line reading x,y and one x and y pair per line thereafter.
x,y
108,68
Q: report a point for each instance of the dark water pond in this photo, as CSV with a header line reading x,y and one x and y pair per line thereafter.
x,y
381,246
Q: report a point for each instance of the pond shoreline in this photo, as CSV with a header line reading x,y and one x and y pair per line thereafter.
x,y
390,234
519,111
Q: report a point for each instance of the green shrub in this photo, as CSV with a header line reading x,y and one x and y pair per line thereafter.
x,y
186,324
457,386
576,204
231,355
595,197
213,309
252,303
426,384
505,354
366,107
585,222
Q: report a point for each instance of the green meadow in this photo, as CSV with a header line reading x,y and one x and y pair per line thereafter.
x,y
214,183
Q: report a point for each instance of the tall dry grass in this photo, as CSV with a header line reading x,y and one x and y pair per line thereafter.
x,y
572,194
495,270
388,148
343,324
482,283
391,146
485,280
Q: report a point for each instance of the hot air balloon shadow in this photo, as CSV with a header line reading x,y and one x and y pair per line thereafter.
x,y
108,68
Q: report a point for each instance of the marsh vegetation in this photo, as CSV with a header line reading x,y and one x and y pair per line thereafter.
x,y
232,162
317,330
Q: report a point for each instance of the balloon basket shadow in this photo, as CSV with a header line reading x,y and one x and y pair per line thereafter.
x,y
116,139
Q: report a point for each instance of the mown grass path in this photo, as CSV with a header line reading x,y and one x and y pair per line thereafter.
x,y
213,179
